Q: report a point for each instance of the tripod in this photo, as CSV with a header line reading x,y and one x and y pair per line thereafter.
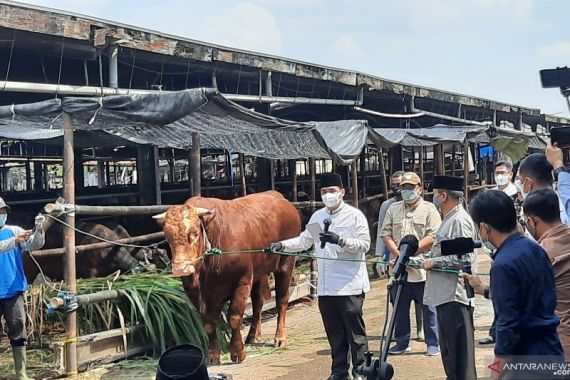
x,y
380,369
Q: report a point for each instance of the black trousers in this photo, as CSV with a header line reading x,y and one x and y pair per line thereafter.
x,y
344,325
456,340
13,311
493,329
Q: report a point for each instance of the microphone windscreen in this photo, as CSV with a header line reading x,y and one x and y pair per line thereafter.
x,y
410,240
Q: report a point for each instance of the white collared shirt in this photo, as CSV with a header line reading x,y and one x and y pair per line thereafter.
x,y
338,278
511,190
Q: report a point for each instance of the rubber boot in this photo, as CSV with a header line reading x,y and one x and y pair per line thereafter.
x,y
419,321
19,354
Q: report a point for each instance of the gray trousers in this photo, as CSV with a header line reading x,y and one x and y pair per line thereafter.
x,y
12,309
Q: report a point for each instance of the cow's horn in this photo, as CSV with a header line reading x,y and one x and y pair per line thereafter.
x,y
159,216
202,211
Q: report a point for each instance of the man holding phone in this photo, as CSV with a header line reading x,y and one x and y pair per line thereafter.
x,y
13,241
555,157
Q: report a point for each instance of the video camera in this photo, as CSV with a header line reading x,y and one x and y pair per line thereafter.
x,y
558,77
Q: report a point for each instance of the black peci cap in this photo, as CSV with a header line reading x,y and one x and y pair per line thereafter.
x,y
445,182
328,180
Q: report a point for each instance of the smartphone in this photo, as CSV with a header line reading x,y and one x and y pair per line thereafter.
x,y
560,135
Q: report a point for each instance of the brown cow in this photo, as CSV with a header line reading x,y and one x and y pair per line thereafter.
x,y
248,223
96,263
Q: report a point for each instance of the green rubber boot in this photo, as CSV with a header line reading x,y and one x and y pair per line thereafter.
x,y
19,354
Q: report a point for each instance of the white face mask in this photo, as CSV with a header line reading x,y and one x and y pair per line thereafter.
x,y
3,218
331,200
501,179
520,187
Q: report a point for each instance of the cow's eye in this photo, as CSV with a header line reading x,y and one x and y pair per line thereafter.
x,y
192,237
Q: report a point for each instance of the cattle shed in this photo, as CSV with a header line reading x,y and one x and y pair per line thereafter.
x,y
47,53
113,114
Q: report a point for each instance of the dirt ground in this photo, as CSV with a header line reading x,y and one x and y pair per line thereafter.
x,y
308,355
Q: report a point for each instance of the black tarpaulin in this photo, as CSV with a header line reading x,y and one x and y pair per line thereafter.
x,y
169,118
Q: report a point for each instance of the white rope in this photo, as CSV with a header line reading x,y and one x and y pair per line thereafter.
x,y
46,282
154,245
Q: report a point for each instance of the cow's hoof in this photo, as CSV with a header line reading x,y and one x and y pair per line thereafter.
x,y
280,342
252,339
237,356
213,357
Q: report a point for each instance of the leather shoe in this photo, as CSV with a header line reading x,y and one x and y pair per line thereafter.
x,y
487,340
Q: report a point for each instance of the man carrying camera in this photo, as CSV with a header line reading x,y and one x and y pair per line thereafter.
x,y
446,291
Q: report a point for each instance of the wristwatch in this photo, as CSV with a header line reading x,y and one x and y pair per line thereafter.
x,y
557,171
487,293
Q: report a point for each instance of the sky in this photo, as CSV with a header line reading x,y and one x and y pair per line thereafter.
x,y
487,48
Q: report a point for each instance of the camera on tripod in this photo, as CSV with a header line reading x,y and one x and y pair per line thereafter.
x,y
380,369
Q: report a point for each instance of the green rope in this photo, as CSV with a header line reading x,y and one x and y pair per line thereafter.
x,y
308,255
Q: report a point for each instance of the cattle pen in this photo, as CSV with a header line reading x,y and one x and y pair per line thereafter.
x,y
124,122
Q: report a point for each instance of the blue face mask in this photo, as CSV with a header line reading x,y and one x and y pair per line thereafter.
x,y
3,218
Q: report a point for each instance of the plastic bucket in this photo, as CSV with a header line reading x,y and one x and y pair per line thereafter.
x,y
184,362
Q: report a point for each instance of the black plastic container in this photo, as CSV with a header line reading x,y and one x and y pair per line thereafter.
x,y
184,362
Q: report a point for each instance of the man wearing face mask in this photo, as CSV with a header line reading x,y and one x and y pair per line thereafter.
x,y
412,216
542,214
341,284
503,178
535,172
522,283
13,241
381,250
445,291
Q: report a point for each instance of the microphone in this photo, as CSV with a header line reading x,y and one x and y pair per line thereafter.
x,y
327,223
459,246
408,247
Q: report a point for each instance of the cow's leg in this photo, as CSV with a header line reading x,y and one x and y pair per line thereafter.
x,y
235,316
192,289
259,293
210,317
282,283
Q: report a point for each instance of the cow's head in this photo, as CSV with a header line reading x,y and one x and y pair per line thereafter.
x,y
184,231
153,256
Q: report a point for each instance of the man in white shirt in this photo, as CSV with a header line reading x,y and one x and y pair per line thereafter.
x,y
341,284
504,178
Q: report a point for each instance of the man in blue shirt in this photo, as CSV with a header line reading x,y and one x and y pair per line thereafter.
x,y
522,282
13,241
381,249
